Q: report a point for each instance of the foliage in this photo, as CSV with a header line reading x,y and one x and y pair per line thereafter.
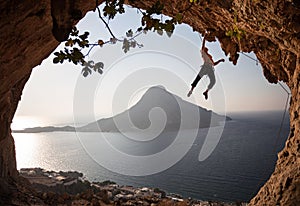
x,y
235,32
77,43
149,22
90,65
73,54
112,8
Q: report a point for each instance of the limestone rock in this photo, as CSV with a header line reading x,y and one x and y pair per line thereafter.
x,y
30,28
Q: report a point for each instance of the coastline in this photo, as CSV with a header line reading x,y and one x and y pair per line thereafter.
x,y
71,188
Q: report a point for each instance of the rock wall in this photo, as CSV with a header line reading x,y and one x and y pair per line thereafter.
x,y
26,33
29,31
22,28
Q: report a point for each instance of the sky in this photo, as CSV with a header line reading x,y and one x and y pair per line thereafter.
x,y
58,93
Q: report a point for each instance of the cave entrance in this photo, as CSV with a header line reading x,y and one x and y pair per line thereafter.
x,y
244,157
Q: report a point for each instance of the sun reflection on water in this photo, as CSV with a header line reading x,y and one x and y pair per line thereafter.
x,y
26,149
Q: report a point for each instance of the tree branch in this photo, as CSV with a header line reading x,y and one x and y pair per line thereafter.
x,y
93,45
106,24
119,40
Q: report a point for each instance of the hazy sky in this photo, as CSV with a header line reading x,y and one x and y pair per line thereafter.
x,y
173,62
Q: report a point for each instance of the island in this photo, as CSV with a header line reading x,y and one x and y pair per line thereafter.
x,y
154,97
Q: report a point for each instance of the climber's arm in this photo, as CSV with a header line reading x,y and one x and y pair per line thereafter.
x,y
203,43
217,62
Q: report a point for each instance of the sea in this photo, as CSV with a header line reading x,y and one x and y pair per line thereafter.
x,y
241,162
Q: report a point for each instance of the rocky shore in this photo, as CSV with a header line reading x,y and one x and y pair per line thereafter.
x,y
41,187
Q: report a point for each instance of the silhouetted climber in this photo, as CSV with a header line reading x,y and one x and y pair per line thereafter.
x,y
206,69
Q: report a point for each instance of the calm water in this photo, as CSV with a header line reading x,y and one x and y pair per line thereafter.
x,y
241,163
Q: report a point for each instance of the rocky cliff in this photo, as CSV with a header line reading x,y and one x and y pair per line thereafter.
x,y
30,31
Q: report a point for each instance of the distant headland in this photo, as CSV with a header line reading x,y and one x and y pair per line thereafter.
x,y
154,97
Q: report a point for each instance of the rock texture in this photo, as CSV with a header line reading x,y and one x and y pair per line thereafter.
x,y
29,31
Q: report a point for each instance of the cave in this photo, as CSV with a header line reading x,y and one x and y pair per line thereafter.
x,y
271,31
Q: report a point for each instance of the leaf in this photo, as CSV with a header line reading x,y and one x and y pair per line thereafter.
x,y
100,42
77,41
179,17
110,10
129,33
77,55
169,27
88,64
84,36
159,31
74,32
99,65
83,43
126,45
155,23
55,60
113,40
70,43
133,44
229,33
86,71
139,29
169,34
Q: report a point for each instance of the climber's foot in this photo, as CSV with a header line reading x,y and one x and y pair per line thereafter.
x,y
205,94
190,93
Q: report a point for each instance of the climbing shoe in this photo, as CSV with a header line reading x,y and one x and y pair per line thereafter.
x,y
205,94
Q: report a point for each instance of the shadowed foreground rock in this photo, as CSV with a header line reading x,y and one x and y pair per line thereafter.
x,y
70,188
29,29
